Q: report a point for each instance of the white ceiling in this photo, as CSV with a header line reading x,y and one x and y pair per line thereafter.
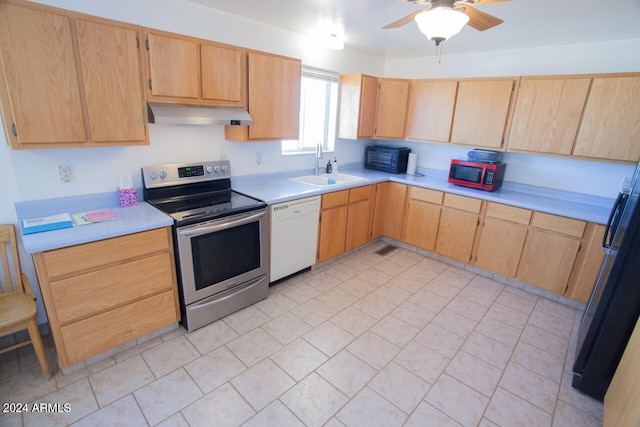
x,y
528,23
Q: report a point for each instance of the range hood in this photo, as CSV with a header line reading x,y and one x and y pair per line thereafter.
x,y
182,114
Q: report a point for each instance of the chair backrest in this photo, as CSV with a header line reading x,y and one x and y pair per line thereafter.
x,y
10,272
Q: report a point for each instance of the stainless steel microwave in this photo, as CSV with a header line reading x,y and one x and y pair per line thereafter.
x,y
386,158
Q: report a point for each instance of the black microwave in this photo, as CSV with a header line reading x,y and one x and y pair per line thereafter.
x,y
386,158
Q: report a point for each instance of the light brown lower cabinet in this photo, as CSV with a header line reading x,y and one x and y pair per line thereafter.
x,y
502,238
457,229
332,230
555,253
103,294
550,251
394,211
587,266
346,220
423,217
360,216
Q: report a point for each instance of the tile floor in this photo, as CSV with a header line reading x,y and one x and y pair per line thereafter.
x,y
366,340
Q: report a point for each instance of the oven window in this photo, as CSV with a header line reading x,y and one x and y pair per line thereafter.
x,y
467,173
225,254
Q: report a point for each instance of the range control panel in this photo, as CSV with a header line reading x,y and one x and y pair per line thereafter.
x,y
177,174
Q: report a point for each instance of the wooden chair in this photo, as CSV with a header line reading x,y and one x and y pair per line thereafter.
x,y
17,302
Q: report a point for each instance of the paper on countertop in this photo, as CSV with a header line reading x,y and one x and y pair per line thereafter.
x,y
95,216
48,223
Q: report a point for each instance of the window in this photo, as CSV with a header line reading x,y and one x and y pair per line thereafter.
x,y
318,111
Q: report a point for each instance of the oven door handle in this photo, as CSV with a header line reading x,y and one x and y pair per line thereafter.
x,y
220,224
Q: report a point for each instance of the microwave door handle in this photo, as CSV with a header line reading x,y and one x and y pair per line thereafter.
x,y
614,220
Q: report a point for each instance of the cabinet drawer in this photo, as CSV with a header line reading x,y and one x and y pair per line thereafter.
x,y
73,259
97,334
426,195
509,213
360,193
98,291
559,224
463,203
334,199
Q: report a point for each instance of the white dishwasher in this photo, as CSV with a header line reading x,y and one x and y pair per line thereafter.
x,y
294,236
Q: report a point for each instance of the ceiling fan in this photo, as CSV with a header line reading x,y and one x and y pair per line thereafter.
x,y
443,19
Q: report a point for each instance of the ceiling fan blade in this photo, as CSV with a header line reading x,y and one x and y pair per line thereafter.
x,y
404,21
481,21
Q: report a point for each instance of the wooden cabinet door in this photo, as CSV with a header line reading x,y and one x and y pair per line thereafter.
x,y
587,266
547,114
547,260
422,224
41,97
223,74
456,234
174,66
358,105
333,232
380,210
394,212
500,246
481,112
360,216
111,74
430,113
393,95
274,96
610,128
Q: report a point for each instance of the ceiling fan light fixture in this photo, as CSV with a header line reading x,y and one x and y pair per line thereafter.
x,y
441,23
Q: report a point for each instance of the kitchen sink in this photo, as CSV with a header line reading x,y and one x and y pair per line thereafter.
x,y
326,179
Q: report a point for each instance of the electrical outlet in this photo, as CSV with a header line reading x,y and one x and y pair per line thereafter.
x,y
65,171
258,157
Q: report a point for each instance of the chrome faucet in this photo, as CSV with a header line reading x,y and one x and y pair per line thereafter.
x,y
318,157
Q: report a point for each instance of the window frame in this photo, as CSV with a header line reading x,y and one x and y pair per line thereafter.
x,y
328,143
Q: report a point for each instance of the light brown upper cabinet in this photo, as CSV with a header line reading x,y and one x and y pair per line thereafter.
x,y
393,95
481,112
430,114
193,71
358,106
372,107
111,76
547,114
69,81
274,99
610,128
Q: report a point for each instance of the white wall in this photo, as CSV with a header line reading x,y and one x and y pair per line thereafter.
x,y
590,177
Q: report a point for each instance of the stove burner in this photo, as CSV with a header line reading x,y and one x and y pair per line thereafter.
x,y
192,193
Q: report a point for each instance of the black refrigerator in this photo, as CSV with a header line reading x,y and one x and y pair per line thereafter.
x,y
614,306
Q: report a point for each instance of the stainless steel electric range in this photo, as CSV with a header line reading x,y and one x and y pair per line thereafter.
x,y
220,238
